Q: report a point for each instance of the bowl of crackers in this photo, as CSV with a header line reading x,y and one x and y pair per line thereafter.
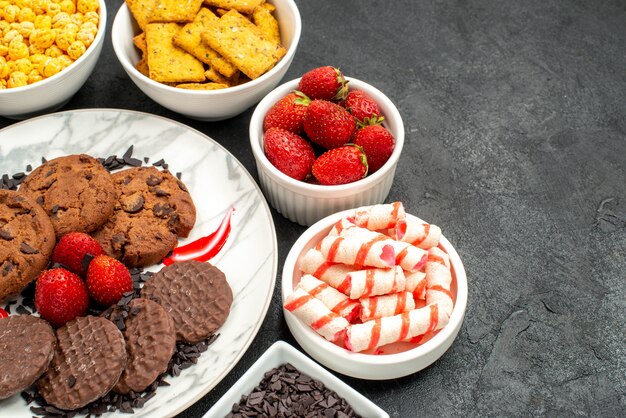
x,y
47,56
208,60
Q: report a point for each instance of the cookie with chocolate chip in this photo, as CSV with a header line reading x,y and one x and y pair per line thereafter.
x,y
76,192
154,208
26,241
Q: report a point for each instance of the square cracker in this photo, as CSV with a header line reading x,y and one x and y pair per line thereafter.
x,y
190,39
140,42
167,62
175,10
266,22
243,45
243,6
141,11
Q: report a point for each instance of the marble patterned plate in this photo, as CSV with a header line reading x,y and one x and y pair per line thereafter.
x,y
217,182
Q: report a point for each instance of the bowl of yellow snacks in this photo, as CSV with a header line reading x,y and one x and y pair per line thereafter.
x,y
208,60
47,53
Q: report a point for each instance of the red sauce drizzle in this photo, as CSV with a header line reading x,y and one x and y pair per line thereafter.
x,y
205,248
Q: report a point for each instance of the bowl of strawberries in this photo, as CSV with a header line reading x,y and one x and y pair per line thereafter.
x,y
325,143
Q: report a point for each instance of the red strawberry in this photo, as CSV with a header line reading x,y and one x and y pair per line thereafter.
x,y
107,280
60,296
341,165
325,83
75,250
287,113
360,105
3,313
328,124
288,152
377,142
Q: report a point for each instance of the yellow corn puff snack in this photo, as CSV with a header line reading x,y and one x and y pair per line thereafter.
x,y
203,86
243,6
175,10
266,22
167,62
233,38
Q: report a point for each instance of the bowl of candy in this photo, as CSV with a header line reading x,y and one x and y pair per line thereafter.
x,y
373,292
324,143
203,60
49,52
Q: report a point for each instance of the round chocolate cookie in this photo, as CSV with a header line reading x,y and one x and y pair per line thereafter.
x,y
76,191
195,294
150,342
154,209
26,241
26,348
88,361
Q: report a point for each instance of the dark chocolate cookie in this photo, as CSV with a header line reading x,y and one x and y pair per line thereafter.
x,y
76,191
154,209
26,241
88,361
26,348
195,294
150,342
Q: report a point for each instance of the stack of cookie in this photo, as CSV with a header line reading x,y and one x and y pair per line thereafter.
x,y
137,215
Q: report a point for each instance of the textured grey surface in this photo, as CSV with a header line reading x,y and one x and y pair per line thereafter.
x,y
516,146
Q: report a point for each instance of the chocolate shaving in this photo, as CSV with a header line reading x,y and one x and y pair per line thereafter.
x,y
278,394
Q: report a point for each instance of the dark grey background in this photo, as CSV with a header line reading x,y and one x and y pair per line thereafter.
x,y
515,123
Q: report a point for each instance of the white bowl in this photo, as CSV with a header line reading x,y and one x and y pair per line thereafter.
x,y
370,366
207,105
54,92
280,353
307,203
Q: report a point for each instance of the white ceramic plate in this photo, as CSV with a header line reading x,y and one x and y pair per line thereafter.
x,y
216,181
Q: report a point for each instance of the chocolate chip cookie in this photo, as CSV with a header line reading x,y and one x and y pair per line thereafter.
x,y
154,208
26,241
76,191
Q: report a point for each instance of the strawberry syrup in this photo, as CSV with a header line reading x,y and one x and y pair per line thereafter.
x,y
205,248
